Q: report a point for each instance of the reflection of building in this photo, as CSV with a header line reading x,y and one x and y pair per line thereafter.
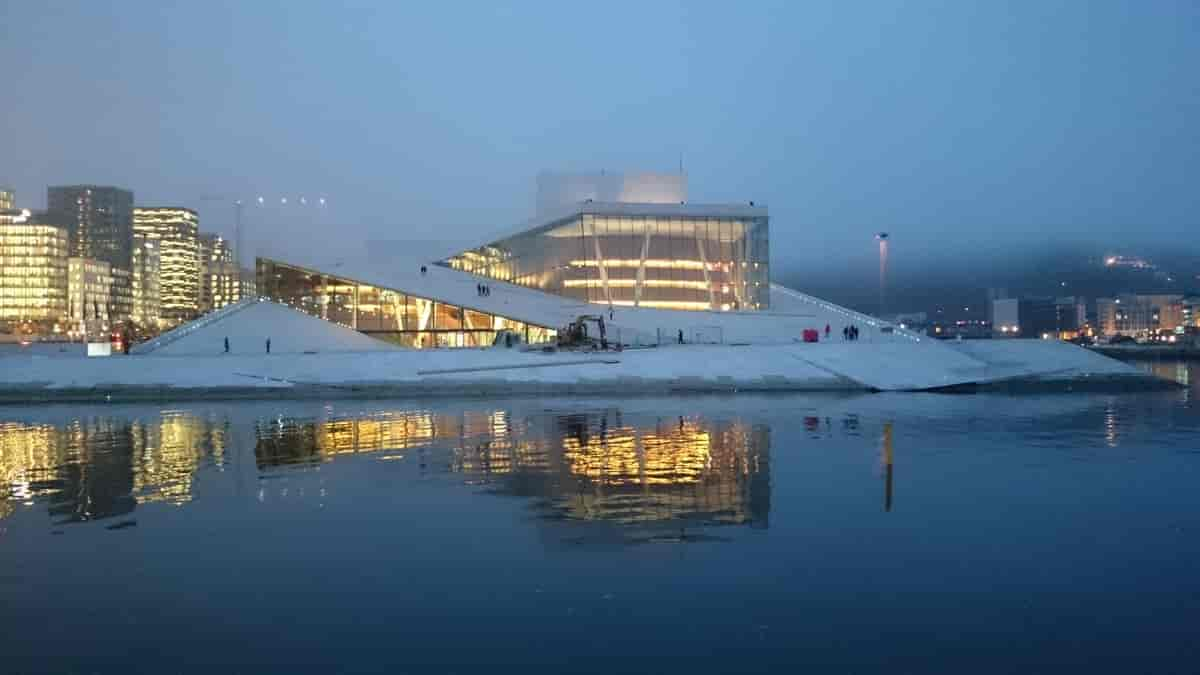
x,y
669,256
220,279
389,314
7,200
177,233
584,466
100,467
90,292
33,272
99,220
147,266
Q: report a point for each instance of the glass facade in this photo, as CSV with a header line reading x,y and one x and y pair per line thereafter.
x,y
177,232
33,273
99,220
618,257
146,269
90,294
388,314
220,278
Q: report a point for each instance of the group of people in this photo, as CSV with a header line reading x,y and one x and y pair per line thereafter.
x,y
483,290
848,332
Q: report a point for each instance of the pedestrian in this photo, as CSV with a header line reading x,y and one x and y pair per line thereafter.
x,y
226,344
680,336
845,332
487,291
826,331
268,345
479,289
422,270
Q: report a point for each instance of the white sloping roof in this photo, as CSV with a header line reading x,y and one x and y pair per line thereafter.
x,y
248,325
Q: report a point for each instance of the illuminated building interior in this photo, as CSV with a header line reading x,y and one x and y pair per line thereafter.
x,y
177,233
646,255
33,273
388,314
220,278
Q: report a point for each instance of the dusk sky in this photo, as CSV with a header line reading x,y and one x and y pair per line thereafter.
x,y
955,126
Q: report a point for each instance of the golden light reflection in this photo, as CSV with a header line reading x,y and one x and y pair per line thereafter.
x,y
579,466
95,468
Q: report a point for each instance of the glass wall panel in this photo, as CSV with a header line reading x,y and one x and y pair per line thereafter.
x,y
473,320
386,314
448,317
673,262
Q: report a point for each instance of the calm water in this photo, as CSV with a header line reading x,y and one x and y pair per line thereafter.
x,y
906,533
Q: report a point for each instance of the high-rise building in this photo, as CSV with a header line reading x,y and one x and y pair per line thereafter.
x,y
120,294
177,232
90,292
33,273
247,283
215,248
220,282
98,218
147,266
8,208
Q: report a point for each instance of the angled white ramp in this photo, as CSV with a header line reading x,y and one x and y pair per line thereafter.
x,y
249,324
896,366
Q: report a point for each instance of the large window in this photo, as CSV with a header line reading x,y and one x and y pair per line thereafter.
x,y
384,313
671,262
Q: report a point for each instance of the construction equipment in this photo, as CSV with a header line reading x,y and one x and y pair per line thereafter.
x,y
576,335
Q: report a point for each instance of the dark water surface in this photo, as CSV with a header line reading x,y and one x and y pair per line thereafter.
x,y
906,533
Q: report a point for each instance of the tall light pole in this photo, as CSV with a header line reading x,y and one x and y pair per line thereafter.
x,y
882,238
257,201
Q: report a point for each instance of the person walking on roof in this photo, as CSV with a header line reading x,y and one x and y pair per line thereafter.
x,y
826,331
268,345
226,344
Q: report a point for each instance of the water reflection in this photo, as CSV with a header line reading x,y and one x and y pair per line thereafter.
x,y
887,466
594,465
1177,370
589,465
101,467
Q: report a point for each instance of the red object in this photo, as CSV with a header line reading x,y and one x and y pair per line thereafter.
x,y
810,334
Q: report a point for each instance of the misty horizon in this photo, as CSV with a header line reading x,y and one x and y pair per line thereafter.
x,y
960,129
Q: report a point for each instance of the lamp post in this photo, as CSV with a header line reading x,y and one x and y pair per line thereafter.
x,y
882,238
